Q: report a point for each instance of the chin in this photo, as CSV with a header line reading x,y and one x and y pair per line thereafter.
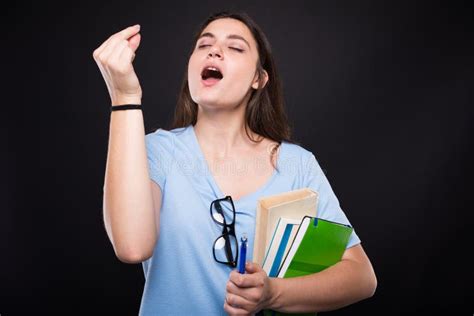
x,y
207,99
209,104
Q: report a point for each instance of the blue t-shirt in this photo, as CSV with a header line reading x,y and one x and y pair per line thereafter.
x,y
182,277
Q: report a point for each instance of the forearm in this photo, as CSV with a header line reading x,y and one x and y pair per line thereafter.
x,y
340,285
128,206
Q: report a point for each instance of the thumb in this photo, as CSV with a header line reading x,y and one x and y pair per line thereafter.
x,y
252,267
134,42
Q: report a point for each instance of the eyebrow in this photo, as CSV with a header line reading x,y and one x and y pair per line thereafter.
x,y
231,36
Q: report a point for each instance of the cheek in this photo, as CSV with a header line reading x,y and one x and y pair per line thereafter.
x,y
244,76
192,78
191,67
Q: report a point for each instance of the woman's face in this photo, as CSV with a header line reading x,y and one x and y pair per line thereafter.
x,y
228,45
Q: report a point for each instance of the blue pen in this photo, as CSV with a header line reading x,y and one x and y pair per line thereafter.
x,y
243,253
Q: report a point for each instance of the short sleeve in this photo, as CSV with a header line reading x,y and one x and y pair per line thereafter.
x,y
160,152
328,205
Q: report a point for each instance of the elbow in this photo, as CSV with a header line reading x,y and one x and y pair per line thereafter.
x,y
372,287
134,251
371,284
131,253
133,257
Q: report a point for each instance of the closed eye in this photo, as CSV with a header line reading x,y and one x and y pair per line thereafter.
x,y
234,48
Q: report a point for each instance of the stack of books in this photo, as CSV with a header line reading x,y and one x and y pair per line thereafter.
x,y
291,241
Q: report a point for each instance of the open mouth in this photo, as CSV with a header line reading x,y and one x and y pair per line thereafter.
x,y
211,74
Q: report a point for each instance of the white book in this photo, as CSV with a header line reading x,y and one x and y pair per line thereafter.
x,y
280,243
298,238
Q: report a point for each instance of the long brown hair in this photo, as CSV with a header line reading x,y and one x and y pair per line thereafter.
x,y
265,112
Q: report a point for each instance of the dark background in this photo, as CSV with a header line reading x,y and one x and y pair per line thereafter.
x,y
380,92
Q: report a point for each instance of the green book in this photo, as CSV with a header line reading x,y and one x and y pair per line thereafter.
x,y
318,244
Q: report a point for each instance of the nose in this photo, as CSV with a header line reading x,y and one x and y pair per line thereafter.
x,y
214,51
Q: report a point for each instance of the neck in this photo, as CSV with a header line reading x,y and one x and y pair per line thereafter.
x,y
221,132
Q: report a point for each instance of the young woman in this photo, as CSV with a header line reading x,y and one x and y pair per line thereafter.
x,y
229,145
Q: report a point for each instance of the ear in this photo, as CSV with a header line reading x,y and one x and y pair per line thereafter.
x,y
256,80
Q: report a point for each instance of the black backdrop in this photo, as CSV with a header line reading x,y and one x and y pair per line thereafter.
x,y
381,92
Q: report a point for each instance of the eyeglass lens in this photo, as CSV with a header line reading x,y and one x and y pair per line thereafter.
x,y
221,252
223,210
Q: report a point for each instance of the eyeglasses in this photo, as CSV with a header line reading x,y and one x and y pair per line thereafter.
x,y
225,249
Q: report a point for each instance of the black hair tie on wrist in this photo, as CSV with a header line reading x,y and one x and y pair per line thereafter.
x,y
126,107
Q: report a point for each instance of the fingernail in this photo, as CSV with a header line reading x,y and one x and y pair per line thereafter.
x,y
137,26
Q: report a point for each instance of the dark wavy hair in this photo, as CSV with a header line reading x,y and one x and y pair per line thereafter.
x,y
265,112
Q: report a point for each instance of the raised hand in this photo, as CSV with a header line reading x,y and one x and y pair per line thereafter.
x,y
114,58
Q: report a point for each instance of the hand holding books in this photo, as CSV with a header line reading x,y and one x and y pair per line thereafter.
x,y
295,241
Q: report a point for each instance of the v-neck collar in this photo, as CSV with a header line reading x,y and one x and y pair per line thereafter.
x,y
213,182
